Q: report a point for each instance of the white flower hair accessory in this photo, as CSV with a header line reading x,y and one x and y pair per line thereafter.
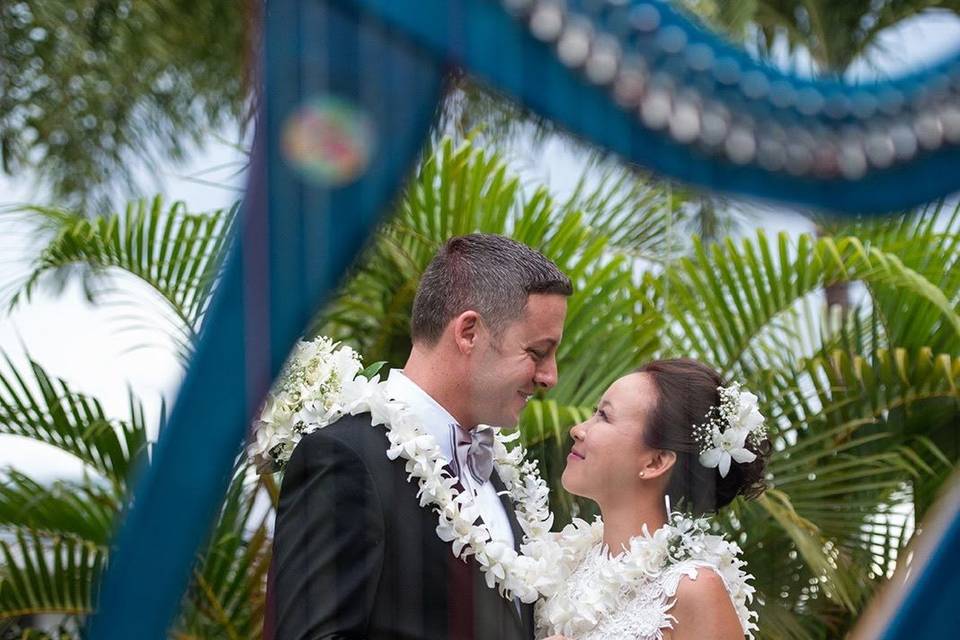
x,y
728,428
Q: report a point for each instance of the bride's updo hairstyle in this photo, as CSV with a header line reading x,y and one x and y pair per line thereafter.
x,y
686,390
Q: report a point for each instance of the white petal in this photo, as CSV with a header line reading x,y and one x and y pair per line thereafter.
x,y
752,420
743,455
724,464
738,436
710,457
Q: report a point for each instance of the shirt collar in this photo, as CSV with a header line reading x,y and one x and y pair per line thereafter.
x,y
434,419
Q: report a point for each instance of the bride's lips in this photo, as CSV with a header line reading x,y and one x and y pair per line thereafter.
x,y
575,456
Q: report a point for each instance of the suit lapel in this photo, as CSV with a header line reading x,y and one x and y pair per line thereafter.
x,y
522,616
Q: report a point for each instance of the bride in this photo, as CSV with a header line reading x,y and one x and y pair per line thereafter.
x,y
668,434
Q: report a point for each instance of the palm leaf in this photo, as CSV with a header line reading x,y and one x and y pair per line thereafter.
x,y
34,405
48,577
175,253
81,510
227,594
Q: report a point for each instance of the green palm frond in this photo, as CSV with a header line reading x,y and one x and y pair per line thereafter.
x,y
629,210
40,576
928,243
176,253
37,406
228,587
82,510
726,305
844,458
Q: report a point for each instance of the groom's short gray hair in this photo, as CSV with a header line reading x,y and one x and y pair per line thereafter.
x,y
490,274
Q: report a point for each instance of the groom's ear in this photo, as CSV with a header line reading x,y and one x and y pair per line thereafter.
x,y
466,330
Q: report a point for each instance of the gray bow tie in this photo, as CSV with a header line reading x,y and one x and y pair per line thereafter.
x,y
478,445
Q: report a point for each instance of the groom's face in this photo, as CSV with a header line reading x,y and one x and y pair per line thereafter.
x,y
511,366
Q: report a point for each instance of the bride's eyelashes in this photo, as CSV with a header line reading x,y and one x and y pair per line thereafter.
x,y
597,411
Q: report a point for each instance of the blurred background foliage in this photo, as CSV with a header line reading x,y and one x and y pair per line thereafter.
x,y
91,90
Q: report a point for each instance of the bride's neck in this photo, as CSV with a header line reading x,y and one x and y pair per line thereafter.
x,y
624,519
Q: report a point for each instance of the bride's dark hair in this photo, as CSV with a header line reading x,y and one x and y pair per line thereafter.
x,y
686,390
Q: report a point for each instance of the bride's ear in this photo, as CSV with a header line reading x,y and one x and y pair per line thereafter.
x,y
660,463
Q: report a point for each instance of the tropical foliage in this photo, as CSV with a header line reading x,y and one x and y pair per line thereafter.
x,y
93,90
863,407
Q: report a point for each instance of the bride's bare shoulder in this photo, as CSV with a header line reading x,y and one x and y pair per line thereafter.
x,y
704,610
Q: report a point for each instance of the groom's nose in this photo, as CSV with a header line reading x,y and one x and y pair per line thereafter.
x,y
546,375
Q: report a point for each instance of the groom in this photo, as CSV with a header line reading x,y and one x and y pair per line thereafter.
x,y
355,556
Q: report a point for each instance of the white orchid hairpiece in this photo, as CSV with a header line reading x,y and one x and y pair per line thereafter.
x,y
728,428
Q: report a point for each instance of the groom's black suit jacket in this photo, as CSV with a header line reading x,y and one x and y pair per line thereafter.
x,y
355,556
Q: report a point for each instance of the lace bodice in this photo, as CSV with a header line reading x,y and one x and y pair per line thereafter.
x,y
630,596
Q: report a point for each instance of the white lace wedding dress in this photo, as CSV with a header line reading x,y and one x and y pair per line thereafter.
x,y
629,596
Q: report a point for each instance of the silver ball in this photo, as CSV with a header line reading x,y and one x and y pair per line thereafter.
x,y
809,101
574,43
699,57
714,125
603,60
851,160
755,84
672,39
685,121
782,94
630,83
837,106
799,158
726,71
904,141
929,130
645,18
771,153
950,118
863,105
546,20
879,148
655,108
740,145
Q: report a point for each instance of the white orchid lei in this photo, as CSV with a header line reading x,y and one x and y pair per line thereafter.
x,y
660,558
308,394
321,383
728,429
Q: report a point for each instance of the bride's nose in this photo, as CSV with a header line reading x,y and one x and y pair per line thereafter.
x,y
576,431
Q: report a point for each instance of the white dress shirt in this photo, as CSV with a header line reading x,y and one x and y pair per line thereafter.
x,y
438,422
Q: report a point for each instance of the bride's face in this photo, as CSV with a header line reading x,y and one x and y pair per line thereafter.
x,y
608,449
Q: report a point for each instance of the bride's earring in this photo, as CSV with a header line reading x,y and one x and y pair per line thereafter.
x,y
642,474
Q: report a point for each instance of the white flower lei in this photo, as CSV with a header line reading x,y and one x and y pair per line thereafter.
x,y
326,384
308,395
682,539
